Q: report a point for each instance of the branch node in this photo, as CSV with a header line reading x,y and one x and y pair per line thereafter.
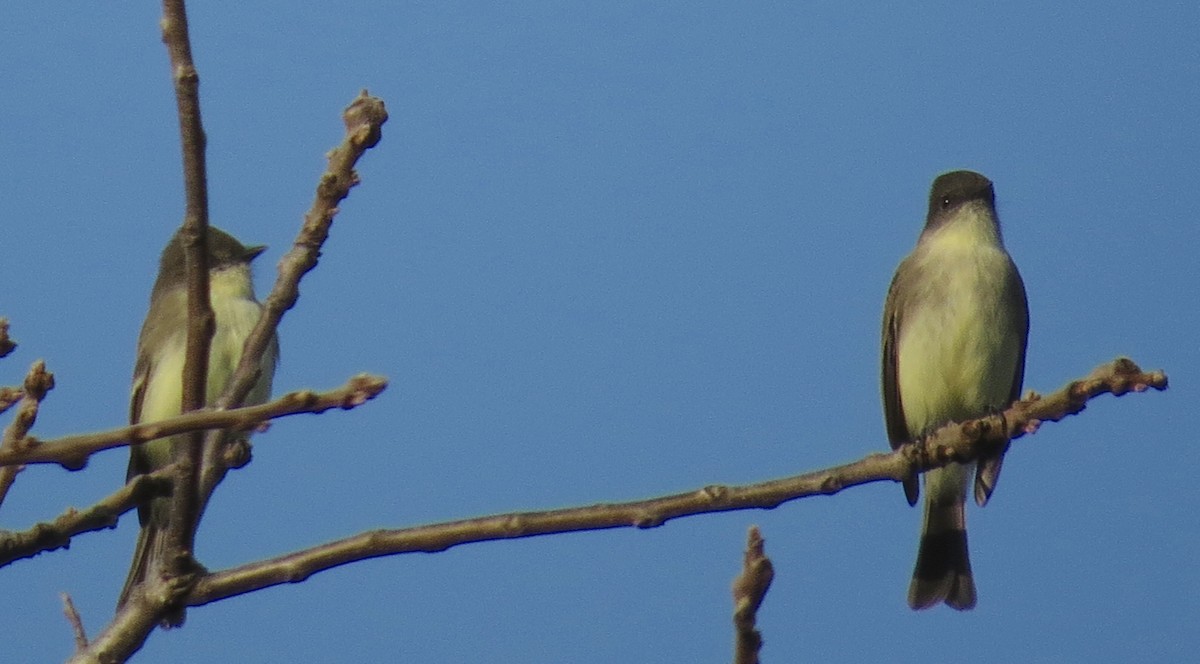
x,y
647,519
6,345
237,452
831,484
364,118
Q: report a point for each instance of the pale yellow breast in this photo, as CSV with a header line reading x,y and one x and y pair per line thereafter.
x,y
957,352
236,314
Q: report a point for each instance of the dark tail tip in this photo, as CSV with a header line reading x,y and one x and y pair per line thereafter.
x,y
148,543
943,571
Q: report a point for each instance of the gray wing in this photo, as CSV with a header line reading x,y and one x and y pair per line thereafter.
x,y
893,406
155,328
1017,293
987,473
141,373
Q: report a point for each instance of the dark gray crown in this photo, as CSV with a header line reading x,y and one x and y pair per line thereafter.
x,y
950,190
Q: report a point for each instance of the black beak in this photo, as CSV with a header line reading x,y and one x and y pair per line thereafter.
x,y
253,252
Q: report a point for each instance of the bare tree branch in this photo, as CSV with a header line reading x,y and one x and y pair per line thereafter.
x,y
37,383
953,442
6,344
8,396
57,534
186,503
72,452
203,464
749,589
75,621
124,636
364,119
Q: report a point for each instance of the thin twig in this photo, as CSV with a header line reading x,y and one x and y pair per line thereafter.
x,y
37,383
6,344
749,589
954,442
125,635
76,622
72,452
9,395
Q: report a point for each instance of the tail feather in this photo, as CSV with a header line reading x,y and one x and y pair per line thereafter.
x,y
943,570
148,552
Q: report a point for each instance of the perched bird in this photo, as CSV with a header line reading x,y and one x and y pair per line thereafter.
x,y
158,375
955,327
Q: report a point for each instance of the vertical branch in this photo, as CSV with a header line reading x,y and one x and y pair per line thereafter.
x,y
201,320
749,589
37,383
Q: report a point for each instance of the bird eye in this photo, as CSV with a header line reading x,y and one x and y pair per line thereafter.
x,y
945,202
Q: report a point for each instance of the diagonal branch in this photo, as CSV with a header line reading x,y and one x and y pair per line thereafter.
x,y
57,534
123,636
75,620
364,120
72,452
9,396
954,442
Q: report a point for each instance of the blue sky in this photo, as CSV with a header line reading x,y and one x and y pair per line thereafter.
x,y
610,251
